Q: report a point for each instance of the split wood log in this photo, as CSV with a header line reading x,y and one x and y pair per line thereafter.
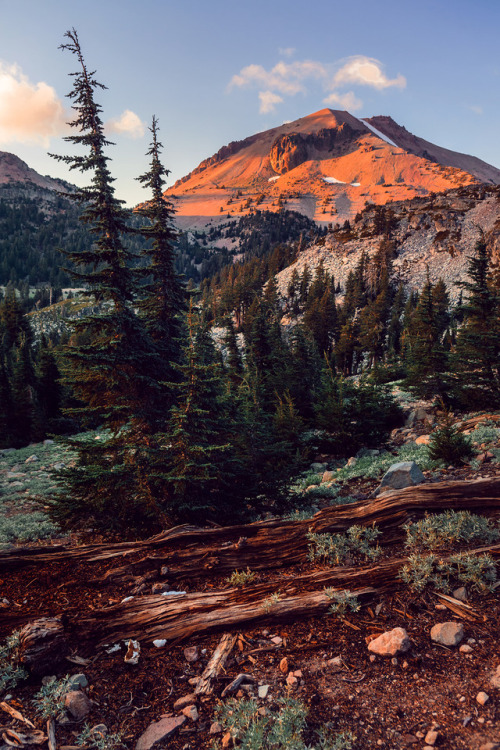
x,y
51,734
216,664
151,617
469,424
15,714
42,645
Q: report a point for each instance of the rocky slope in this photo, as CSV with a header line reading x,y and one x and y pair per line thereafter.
x,y
438,233
15,170
327,165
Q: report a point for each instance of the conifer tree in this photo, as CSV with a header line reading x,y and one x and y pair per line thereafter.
x,y
112,375
476,360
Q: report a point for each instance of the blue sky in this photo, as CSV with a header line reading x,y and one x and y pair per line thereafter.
x,y
220,70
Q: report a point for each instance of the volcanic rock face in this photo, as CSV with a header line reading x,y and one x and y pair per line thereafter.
x,y
14,169
287,152
327,165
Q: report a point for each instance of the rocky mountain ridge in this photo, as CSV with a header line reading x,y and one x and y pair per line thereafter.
x,y
327,165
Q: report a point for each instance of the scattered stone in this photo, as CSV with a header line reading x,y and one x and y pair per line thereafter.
x,y
263,691
423,440
191,654
431,738
59,466
311,487
495,678
32,459
186,700
215,728
284,665
298,674
48,679
48,442
100,729
465,649
133,653
160,642
319,468
485,457
482,698
460,594
390,643
78,681
352,461
447,633
328,476
400,475
191,712
291,680
226,740
159,588
158,731
277,640
77,705
335,663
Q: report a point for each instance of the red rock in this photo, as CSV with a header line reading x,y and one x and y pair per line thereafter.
x,y
77,704
391,643
158,731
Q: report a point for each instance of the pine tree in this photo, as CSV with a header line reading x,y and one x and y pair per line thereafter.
x,y
476,360
112,375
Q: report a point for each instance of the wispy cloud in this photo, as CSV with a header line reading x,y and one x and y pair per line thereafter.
x,y
291,78
29,112
268,101
366,71
347,101
127,124
475,108
287,51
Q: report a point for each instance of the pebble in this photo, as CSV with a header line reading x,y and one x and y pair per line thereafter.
x,y
431,738
482,698
191,712
191,654
185,700
447,633
158,731
465,649
215,728
291,680
277,640
160,642
495,678
284,665
263,691
392,642
78,681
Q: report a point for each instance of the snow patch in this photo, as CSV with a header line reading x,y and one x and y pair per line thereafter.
x,y
355,184
333,181
378,133
273,179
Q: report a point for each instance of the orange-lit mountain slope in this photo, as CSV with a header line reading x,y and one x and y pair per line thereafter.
x,y
327,165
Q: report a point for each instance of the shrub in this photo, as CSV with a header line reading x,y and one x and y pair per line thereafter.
x,y
339,549
342,601
89,737
275,731
49,701
448,528
478,572
10,671
240,577
449,445
26,527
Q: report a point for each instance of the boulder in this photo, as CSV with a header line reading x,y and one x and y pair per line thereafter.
x,y
423,440
391,643
328,476
77,705
400,475
447,633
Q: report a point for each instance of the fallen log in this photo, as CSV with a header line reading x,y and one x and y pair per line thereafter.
x,y
266,545
152,617
216,664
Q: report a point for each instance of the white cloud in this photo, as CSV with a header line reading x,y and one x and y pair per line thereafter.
x,y
286,78
292,78
347,101
365,71
127,124
268,101
29,112
476,109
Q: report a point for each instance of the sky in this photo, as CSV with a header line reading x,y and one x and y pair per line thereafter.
x,y
215,71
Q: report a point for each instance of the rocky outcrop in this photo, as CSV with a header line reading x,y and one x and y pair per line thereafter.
x,y
287,152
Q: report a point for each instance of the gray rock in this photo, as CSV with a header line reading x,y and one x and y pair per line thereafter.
x,y
400,475
460,594
447,633
77,705
58,466
78,681
32,459
191,712
263,691
158,731
319,467
352,461
160,588
215,728
191,654
48,442
390,643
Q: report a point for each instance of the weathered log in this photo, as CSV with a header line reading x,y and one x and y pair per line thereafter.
x,y
188,550
150,617
216,664
43,644
51,734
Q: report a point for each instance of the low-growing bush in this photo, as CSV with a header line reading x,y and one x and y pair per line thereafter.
x,y
100,740
241,577
26,527
339,549
11,673
478,572
448,528
281,730
49,701
342,602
